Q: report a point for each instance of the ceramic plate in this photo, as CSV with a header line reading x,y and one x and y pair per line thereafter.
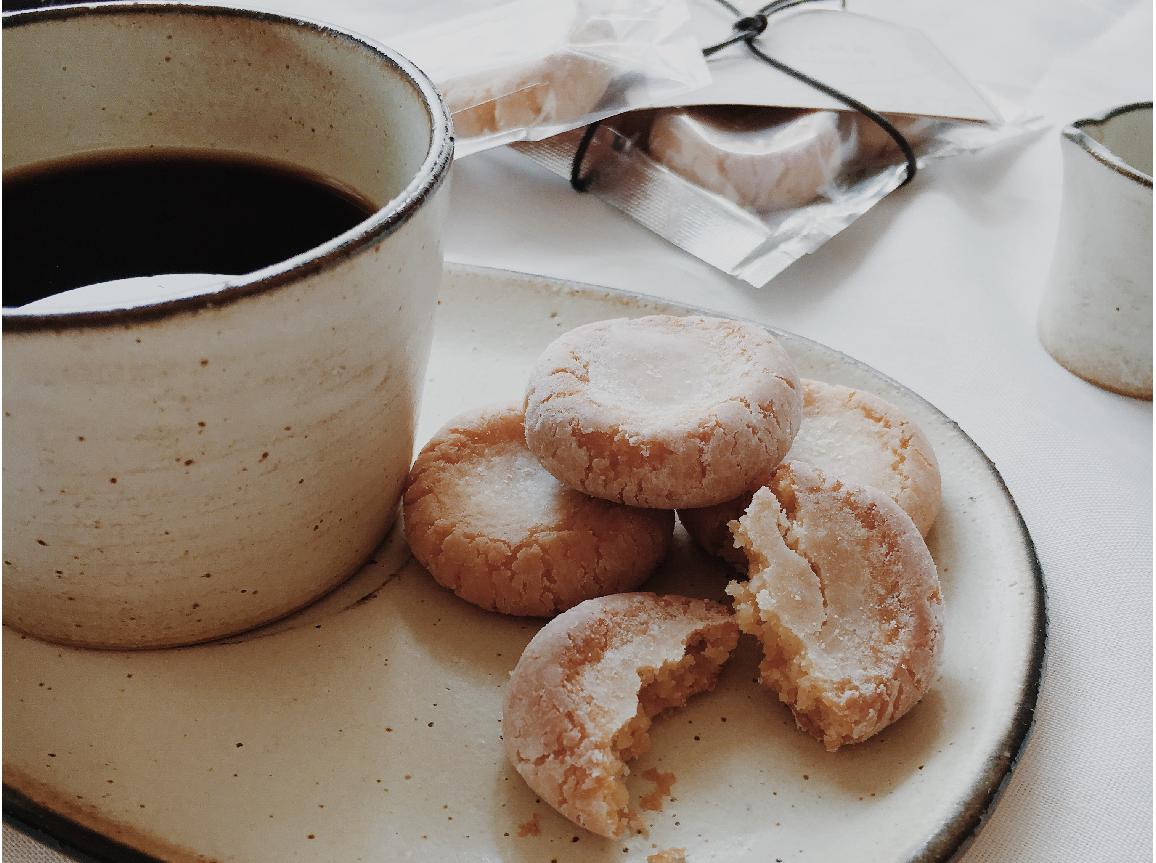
x,y
367,728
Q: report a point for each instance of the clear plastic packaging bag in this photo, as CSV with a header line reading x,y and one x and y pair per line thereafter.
x,y
750,190
524,70
749,186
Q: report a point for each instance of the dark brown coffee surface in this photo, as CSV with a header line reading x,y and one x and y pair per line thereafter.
x,y
112,216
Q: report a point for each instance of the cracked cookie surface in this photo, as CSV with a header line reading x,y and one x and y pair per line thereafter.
x,y
489,523
663,411
845,599
580,701
855,436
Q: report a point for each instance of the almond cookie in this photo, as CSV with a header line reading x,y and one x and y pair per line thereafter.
x,y
854,436
845,598
489,523
582,697
663,411
760,158
558,88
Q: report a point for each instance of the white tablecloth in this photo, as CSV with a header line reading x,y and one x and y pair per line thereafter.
x,y
938,287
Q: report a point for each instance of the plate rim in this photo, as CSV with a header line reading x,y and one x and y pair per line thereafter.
x,y
949,843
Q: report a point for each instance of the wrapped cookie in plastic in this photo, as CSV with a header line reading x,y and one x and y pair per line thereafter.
x,y
768,161
750,189
526,70
762,159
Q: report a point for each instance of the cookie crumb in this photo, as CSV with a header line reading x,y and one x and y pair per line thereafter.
x,y
663,782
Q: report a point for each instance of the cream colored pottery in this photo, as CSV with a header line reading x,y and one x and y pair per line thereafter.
x,y
179,471
368,728
1096,316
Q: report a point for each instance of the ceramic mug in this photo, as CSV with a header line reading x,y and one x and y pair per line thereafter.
x,y
1096,316
186,469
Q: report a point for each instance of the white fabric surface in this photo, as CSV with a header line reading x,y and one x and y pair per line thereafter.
x,y
938,287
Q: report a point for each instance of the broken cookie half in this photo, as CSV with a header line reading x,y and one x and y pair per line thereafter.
x,y
845,598
582,697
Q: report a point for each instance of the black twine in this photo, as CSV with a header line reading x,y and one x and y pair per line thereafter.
x,y
747,29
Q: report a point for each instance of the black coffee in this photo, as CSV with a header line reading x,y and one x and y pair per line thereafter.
x,y
112,216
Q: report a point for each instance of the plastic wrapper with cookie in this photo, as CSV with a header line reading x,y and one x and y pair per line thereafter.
x,y
523,70
758,169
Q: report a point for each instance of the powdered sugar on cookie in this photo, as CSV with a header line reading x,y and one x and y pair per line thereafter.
x,y
581,700
863,439
662,411
845,598
489,523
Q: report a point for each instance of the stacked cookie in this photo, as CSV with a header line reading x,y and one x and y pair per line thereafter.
x,y
565,505
492,525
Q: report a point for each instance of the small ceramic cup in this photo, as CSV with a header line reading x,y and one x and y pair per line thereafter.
x,y
187,469
1096,316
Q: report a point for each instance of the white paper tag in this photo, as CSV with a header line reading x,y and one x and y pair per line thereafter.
x,y
890,67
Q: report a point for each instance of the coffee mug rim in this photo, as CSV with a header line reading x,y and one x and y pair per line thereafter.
x,y
383,222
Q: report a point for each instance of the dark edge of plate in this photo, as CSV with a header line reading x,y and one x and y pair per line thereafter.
x,y
953,840
64,835
946,845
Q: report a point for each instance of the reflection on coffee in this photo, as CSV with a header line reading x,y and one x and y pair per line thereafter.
x,y
118,215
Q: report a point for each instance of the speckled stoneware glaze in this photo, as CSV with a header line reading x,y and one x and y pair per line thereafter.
x,y
1096,317
183,470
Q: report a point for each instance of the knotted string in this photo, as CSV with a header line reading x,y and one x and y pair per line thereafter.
x,y
747,30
